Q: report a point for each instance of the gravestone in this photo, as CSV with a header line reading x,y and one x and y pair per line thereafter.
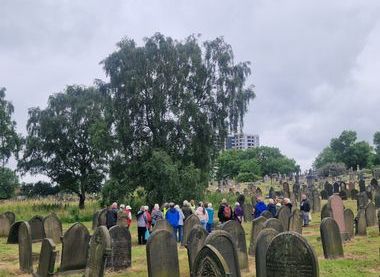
x,y
326,211
209,262
53,228
37,228
264,238
296,221
25,247
316,202
121,248
377,199
275,224
163,224
271,192
195,243
248,212
362,200
354,194
100,248
349,222
75,248
102,218
162,255
331,239
343,194
324,195
13,233
350,186
257,226
266,214
47,259
225,244
329,189
290,255
370,214
286,189
283,215
337,208
11,216
362,185
361,223
189,223
5,225
95,220
237,232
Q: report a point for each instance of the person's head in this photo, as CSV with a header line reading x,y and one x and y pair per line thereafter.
x,y
146,208
176,207
303,196
258,198
114,205
224,201
122,206
271,201
156,207
209,205
142,208
166,205
286,201
128,208
200,204
171,205
237,204
186,203
192,202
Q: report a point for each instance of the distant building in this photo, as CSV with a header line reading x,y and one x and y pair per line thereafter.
x,y
242,141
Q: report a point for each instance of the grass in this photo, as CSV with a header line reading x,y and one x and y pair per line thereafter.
x,y
362,254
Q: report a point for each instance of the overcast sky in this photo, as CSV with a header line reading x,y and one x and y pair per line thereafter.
x,y
315,64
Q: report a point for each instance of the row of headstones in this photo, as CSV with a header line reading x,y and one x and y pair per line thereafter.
x,y
80,251
99,218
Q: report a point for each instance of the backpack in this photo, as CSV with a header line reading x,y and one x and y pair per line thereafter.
x,y
227,212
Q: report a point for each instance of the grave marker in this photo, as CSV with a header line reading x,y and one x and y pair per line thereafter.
x,y
100,248
209,262
194,244
53,228
189,223
349,222
331,239
121,248
264,239
275,224
25,247
47,258
257,226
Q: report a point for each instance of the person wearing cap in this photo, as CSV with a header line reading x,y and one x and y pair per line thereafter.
x,y
172,216
210,222
156,214
238,213
111,215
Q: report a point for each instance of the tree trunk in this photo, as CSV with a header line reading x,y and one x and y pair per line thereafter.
x,y
82,198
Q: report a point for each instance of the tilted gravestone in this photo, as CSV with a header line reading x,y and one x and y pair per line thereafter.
x,y
5,225
248,212
331,239
13,233
290,255
102,218
237,232
266,214
361,223
37,228
377,199
225,244
100,248
95,220
162,255
264,238
209,262
47,259
283,215
337,208
75,243
53,228
195,243
163,224
11,216
326,211
370,214
349,222
296,221
189,223
257,226
275,224
25,247
121,248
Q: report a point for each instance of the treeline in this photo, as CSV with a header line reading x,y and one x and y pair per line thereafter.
x,y
345,152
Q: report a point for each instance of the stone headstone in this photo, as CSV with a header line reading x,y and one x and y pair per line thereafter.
x,y
337,208
224,243
162,255
370,214
209,262
326,211
331,239
264,238
329,188
343,194
290,255
25,247
283,215
195,243
248,212
163,224
5,225
53,228
362,200
286,189
189,223
102,218
11,216
237,232
100,248
75,244
349,222
267,214
354,194
257,226
296,221
37,228
324,195
377,199
361,223
47,258
13,233
95,220
121,248
275,224
316,202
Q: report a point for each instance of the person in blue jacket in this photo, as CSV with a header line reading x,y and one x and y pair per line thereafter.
x,y
210,222
272,207
259,207
172,216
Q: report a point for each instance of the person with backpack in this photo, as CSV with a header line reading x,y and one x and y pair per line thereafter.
x,y
224,212
259,207
111,215
156,214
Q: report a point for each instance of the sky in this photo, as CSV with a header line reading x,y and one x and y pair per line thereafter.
x,y
315,64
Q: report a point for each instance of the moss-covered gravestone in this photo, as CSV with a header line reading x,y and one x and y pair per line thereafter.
x,y
37,228
361,223
121,248
349,221
163,224
326,211
370,214
275,224
209,262
11,216
25,247
257,226
266,214
296,221
283,215
264,238
5,225
189,223
13,233
47,259
53,228
194,244
331,239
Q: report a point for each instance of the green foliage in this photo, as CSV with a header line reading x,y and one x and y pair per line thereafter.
x,y
376,142
39,189
63,140
332,169
8,183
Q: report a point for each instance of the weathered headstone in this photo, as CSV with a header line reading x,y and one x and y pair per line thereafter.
x,y
266,214
209,262
75,244
195,243
329,188
316,202
189,223
47,259
361,223
224,243
349,222
248,212
11,216
53,228
296,221
283,215
257,226
163,224
5,225
102,218
264,238
354,194
162,255
275,224
337,208
100,248
25,247
324,195
95,220
331,239
37,228
362,200
326,211
370,214
290,255
121,248
377,199
237,232
13,233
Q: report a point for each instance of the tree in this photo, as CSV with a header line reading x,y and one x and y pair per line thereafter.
x,y
325,157
9,139
376,142
178,98
8,183
70,140
332,169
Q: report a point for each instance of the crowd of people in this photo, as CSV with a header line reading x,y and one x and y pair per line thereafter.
x,y
176,215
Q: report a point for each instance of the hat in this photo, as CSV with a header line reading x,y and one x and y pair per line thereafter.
x,y
128,207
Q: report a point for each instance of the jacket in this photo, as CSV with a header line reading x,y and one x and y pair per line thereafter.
x,y
172,216
259,208
111,218
305,206
210,212
272,208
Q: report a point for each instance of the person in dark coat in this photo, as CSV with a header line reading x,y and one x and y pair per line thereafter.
x,y
224,212
305,210
111,216
288,203
238,213
272,207
187,211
